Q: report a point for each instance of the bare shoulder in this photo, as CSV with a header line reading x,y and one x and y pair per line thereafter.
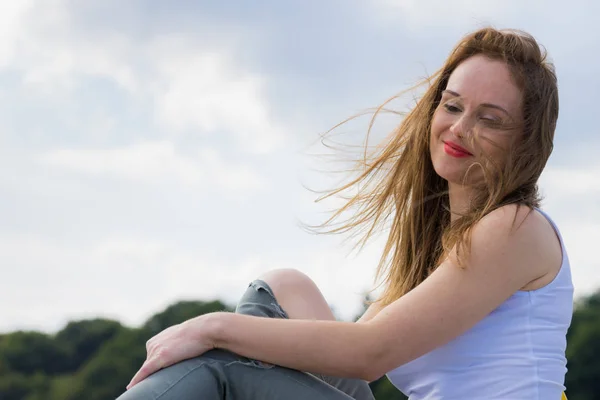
x,y
511,248
507,218
525,237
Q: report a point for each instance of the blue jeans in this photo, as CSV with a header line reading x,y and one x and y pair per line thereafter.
x,y
222,375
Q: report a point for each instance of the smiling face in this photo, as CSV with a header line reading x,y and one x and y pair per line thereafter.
x,y
476,119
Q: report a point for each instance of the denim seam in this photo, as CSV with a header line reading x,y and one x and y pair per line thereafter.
x,y
251,363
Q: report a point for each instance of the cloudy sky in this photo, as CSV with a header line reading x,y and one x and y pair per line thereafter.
x,y
153,151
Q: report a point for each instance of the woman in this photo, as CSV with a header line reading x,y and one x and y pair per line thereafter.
x,y
478,292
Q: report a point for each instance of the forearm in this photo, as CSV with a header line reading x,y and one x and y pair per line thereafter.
x,y
333,348
371,312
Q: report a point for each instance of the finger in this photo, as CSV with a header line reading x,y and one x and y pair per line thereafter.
x,y
149,367
149,342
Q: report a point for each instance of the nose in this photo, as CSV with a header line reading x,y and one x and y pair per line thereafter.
x,y
461,127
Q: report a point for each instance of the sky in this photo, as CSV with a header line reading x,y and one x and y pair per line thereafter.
x,y
155,151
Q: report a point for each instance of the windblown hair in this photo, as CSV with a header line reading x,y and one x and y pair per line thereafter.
x,y
397,186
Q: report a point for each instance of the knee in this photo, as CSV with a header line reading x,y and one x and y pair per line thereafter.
x,y
298,295
288,280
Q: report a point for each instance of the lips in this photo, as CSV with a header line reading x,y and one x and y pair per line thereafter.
x,y
455,150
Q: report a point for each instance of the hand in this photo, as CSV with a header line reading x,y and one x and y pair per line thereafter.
x,y
176,343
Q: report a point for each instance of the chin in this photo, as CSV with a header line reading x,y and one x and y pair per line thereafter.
x,y
451,176
450,170
453,170
455,174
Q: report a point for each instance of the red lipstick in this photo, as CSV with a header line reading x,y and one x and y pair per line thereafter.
x,y
455,150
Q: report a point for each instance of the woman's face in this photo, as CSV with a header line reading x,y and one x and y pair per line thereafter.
x,y
477,118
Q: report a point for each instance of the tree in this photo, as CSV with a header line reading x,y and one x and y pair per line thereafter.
x,y
15,386
31,352
84,338
114,364
583,351
111,368
180,312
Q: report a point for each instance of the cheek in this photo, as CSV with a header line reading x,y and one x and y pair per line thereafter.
x,y
496,147
437,123
434,133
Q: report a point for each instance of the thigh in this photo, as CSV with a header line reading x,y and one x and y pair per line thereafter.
x,y
192,379
254,381
220,375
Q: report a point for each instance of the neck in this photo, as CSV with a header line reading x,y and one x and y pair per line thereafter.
x,y
460,198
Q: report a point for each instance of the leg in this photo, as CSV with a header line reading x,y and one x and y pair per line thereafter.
x,y
190,379
297,294
219,374
300,297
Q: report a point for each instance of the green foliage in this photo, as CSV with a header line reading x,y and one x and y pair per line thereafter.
x,y
31,352
15,386
583,351
383,389
84,338
86,360
180,312
110,370
60,388
95,359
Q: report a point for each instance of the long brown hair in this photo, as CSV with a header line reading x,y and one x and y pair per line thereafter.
x,y
397,188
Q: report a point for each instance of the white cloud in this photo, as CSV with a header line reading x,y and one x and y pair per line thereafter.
x,y
12,14
196,86
581,240
206,91
51,282
419,13
572,181
438,14
52,57
157,162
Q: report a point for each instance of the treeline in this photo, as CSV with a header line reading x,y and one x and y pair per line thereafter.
x,y
95,359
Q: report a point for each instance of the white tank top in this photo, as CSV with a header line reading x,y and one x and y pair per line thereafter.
x,y
516,353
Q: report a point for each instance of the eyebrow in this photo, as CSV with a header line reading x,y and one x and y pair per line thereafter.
x,y
487,105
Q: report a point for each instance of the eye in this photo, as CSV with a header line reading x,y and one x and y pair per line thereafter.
x,y
451,108
491,121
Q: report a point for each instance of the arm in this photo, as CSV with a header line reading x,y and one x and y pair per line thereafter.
x,y
345,364
326,347
372,311
503,259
